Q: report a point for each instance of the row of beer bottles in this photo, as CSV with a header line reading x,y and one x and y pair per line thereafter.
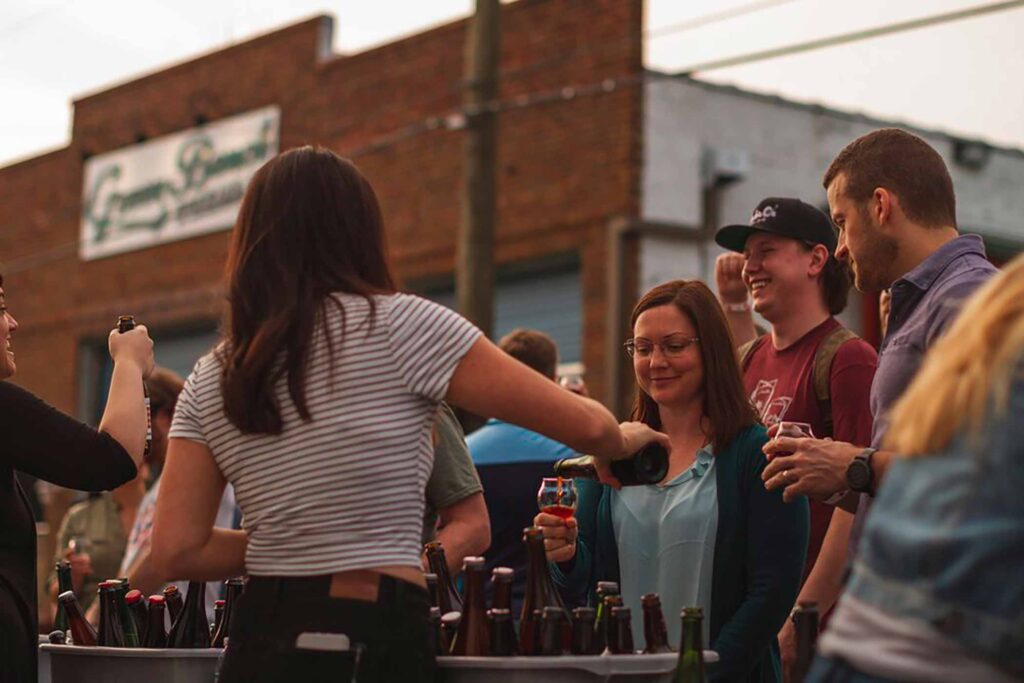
x,y
127,619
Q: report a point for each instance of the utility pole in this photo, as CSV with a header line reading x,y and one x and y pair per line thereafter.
x,y
474,273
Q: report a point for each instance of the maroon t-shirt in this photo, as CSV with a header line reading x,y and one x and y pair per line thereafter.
x,y
781,386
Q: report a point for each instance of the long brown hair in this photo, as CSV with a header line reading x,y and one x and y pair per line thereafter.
x,y
309,225
726,406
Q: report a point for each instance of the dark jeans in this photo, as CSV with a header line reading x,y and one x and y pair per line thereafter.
x,y
826,670
273,611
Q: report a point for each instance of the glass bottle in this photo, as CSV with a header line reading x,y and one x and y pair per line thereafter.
x,y
552,632
584,641
604,589
501,587
448,598
540,592
805,624
218,618
449,627
232,594
111,630
439,638
191,630
472,638
503,633
173,602
431,579
131,632
610,626
622,643
137,607
60,619
156,634
649,465
690,665
655,631
82,632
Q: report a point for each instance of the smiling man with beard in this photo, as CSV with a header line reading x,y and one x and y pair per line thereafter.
x,y
892,200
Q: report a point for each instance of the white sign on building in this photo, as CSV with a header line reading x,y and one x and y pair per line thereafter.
x,y
173,187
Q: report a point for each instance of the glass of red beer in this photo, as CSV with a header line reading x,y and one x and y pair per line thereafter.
x,y
557,496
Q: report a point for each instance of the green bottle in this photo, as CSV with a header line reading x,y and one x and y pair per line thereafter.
x,y
690,665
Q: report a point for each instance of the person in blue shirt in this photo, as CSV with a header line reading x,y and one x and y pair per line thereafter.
x,y
937,590
708,535
511,462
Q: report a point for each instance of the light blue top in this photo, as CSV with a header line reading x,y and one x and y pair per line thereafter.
x,y
666,541
501,443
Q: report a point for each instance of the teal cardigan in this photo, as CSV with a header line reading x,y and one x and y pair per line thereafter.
x,y
759,558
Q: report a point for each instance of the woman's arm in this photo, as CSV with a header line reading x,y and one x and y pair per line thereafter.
x,y
776,546
185,544
489,382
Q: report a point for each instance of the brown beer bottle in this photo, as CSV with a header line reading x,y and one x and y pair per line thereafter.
x,y
655,631
805,623
60,619
124,324
137,606
501,587
191,630
540,592
156,634
448,598
503,633
111,630
584,641
173,602
622,643
431,579
552,632
232,594
439,639
218,617
472,638
690,665
450,626
649,465
82,632
610,627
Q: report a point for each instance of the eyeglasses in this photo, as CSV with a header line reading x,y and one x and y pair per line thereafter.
x,y
671,347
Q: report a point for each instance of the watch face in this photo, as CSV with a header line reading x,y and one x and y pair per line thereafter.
x,y
858,475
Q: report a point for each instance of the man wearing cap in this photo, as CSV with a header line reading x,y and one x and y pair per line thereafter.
x,y
809,368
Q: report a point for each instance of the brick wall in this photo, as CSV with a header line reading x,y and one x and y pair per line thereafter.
x,y
565,169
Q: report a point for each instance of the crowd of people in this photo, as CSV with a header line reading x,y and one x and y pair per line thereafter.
x,y
315,448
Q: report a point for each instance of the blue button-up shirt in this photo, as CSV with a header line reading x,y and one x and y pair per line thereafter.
x,y
924,303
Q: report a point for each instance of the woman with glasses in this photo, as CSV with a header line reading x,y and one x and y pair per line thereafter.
x,y
708,535
317,405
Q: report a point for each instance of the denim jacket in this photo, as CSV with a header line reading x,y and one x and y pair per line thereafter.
x,y
944,542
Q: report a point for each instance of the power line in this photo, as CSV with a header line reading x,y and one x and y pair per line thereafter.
x,y
843,39
714,18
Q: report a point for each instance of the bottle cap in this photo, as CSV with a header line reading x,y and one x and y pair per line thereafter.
x,y
156,600
607,588
133,596
584,613
650,600
67,596
474,563
503,574
553,613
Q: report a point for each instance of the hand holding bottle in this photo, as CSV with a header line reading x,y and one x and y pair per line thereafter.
x,y
133,346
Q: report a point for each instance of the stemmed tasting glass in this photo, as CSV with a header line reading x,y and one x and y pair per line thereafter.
x,y
557,496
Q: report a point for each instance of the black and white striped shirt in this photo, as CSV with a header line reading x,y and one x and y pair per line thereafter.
x,y
345,490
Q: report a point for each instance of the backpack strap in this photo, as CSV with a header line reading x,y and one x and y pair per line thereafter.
x,y
822,371
746,351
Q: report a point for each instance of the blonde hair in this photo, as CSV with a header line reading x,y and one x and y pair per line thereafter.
x,y
973,364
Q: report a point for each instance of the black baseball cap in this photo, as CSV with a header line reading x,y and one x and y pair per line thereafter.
x,y
781,216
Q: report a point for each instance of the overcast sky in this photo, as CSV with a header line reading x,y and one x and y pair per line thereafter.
x,y
962,77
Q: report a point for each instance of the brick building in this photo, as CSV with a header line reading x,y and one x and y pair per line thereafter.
x,y
610,179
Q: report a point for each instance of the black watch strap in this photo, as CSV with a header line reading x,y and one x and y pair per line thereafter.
x,y
859,476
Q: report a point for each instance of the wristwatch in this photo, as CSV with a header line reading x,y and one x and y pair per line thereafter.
x,y
859,476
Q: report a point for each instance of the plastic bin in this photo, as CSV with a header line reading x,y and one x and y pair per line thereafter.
x,y
569,669
76,664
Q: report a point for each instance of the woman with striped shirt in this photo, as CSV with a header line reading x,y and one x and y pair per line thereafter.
x,y
317,406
